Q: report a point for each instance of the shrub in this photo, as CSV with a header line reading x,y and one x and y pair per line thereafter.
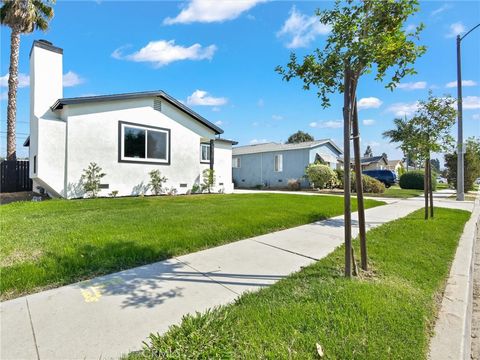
x,y
208,180
156,181
114,193
293,184
414,180
320,176
370,185
91,178
195,189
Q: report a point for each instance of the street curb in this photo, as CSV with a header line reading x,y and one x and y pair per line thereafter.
x,y
452,334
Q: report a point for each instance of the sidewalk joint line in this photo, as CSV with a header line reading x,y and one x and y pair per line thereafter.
x,y
204,274
33,330
286,250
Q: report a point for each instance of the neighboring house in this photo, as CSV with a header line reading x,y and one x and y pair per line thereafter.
x,y
373,163
127,135
273,164
395,165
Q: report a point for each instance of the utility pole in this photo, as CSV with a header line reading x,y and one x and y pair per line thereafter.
x,y
460,147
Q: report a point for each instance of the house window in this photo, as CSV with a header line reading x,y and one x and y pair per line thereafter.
x,y
278,166
205,153
144,144
35,164
236,162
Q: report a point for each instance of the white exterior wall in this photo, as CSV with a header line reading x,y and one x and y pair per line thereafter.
x,y
223,166
47,132
93,136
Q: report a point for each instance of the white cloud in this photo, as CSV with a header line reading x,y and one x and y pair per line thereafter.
x,y
410,27
368,122
23,80
455,29
277,117
216,109
301,29
471,102
255,123
164,52
258,141
369,103
71,79
453,84
413,85
260,103
402,109
219,123
208,11
373,144
202,98
476,116
3,95
331,124
440,9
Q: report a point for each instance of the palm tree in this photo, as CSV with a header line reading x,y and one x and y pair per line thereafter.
x,y
22,16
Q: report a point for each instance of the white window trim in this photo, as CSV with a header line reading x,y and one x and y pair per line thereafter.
x,y
124,158
280,163
202,160
236,162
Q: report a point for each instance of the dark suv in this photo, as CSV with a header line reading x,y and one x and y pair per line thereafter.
x,y
388,177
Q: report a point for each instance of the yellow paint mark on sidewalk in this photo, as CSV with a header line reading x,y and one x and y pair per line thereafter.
x,y
93,291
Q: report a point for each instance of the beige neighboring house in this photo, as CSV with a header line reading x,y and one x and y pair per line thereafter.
x,y
374,163
395,165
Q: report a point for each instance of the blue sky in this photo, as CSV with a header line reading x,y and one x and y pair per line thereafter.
x,y
219,58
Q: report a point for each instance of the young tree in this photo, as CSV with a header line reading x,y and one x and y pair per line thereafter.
x,y
91,179
471,164
368,152
208,180
299,137
435,163
156,181
366,36
22,16
402,134
428,131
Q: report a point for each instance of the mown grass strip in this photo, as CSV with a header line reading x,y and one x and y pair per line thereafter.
x,y
386,314
57,242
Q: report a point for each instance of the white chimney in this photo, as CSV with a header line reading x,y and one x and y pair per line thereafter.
x,y
46,77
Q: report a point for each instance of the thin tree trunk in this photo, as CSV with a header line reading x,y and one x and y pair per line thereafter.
x,y
425,189
359,189
430,189
346,178
12,95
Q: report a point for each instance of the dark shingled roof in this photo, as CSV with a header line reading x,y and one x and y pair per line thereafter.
x,y
60,103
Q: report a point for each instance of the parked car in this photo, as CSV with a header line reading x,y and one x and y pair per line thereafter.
x,y
441,180
388,177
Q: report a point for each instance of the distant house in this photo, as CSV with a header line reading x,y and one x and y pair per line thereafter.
x,y
374,163
395,165
273,164
127,135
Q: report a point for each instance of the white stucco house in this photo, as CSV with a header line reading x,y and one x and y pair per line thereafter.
x,y
127,135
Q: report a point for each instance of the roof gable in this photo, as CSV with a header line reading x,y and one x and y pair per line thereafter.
x,y
60,103
272,147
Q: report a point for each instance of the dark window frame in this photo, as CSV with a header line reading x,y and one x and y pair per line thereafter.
x,y
209,147
121,159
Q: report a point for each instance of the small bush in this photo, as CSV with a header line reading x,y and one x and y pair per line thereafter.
x,y
293,184
320,176
208,180
415,180
195,189
91,178
370,185
114,193
156,181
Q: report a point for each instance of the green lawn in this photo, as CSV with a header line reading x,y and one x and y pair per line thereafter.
x,y
387,314
56,242
396,192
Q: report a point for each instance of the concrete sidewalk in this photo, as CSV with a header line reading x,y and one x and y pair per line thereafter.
x,y
111,315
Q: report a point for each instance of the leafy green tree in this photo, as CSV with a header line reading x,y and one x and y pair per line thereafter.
x,y
156,181
208,180
368,152
22,17
367,36
471,164
400,134
91,179
435,164
428,131
299,137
